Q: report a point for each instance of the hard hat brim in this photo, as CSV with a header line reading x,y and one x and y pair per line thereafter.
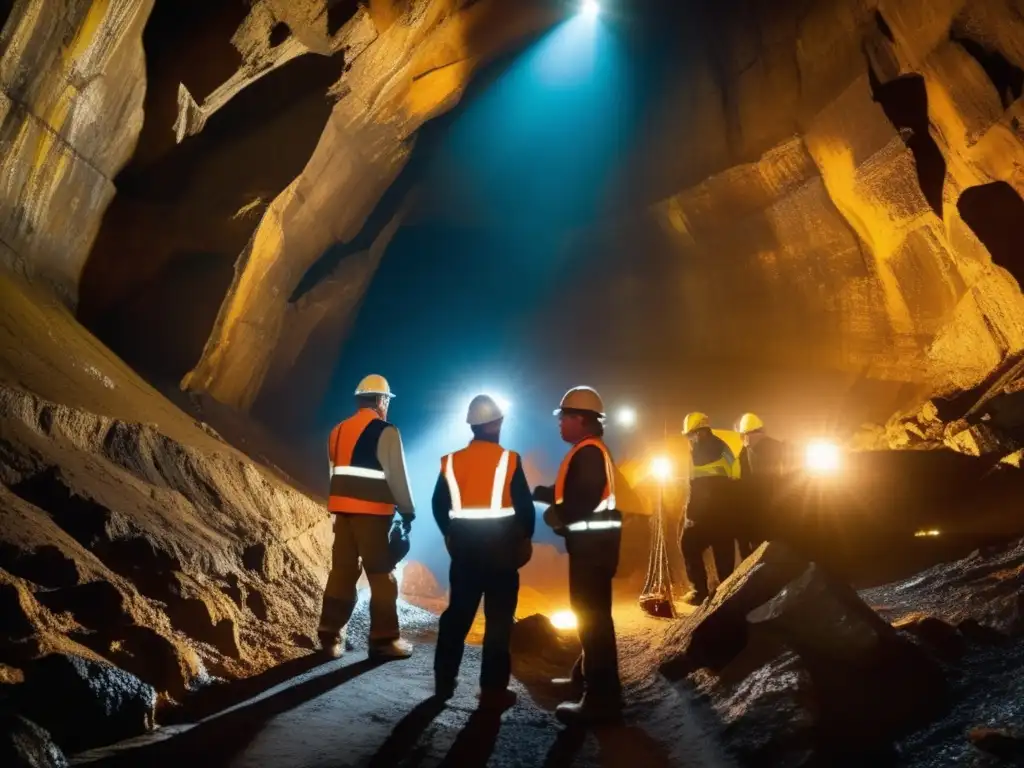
x,y
374,392
560,411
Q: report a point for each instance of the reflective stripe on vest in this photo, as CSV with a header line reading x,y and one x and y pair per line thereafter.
x,y
354,489
607,503
495,510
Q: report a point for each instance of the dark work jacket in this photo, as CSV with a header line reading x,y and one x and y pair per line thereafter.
x,y
500,544
585,480
768,457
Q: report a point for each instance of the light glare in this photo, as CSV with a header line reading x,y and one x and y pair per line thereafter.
x,y
661,468
822,458
932,532
590,8
563,620
626,417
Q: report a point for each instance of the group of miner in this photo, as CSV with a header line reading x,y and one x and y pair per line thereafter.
x,y
485,510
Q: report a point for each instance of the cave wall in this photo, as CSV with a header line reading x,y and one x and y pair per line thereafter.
x,y
824,220
72,82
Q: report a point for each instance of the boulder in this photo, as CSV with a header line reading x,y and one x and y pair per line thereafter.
x,y
23,744
85,703
717,632
769,716
871,685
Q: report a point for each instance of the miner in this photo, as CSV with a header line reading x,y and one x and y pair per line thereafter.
x,y
764,461
483,506
709,516
368,483
583,510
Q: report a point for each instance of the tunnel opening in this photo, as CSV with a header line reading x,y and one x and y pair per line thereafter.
x,y
202,196
994,213
279,34
905,103
339,13
1006,77
883,26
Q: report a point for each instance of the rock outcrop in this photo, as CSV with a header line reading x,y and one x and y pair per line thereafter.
x,y
814,676
72,80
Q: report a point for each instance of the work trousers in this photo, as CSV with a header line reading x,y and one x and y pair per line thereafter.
x,y
361,543
699,537
591,571
499,589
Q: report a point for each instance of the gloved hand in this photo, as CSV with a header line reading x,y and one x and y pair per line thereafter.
x,y
553,517
545,494
407,523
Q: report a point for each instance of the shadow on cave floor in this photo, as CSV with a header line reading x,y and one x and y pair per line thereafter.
x,y
356,713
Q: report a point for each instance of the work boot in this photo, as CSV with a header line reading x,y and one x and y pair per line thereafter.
x,y
695,596
444,687
590,710
332,644
386,650
497,699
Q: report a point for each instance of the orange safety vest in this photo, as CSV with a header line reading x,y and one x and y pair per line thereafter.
x,y
605,516
358,483
479,481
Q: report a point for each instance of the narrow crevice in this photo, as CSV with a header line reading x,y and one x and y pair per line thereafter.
x,y
883,26
6,7
1006,77
339,12
905,102
994,213
279,34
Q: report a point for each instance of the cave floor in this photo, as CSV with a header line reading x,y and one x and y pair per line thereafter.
x,y
352,713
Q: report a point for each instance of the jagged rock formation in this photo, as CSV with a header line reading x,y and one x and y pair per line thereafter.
x,y
846,183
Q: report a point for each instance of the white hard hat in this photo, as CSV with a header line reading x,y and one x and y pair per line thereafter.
x,y
483,410
374,385
581,399
749,422
694,421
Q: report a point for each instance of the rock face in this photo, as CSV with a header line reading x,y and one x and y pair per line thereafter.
x,y
851,163
72,79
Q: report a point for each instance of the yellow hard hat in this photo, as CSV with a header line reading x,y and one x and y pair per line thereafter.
x,y
374,385
694,421
483,410
581,399
749,422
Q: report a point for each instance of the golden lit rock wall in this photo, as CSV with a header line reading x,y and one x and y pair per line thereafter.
x,y
72,80
816,224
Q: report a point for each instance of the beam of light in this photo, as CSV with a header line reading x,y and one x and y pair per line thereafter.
x,y
563,621
822,458
502,402
590,8
661,468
